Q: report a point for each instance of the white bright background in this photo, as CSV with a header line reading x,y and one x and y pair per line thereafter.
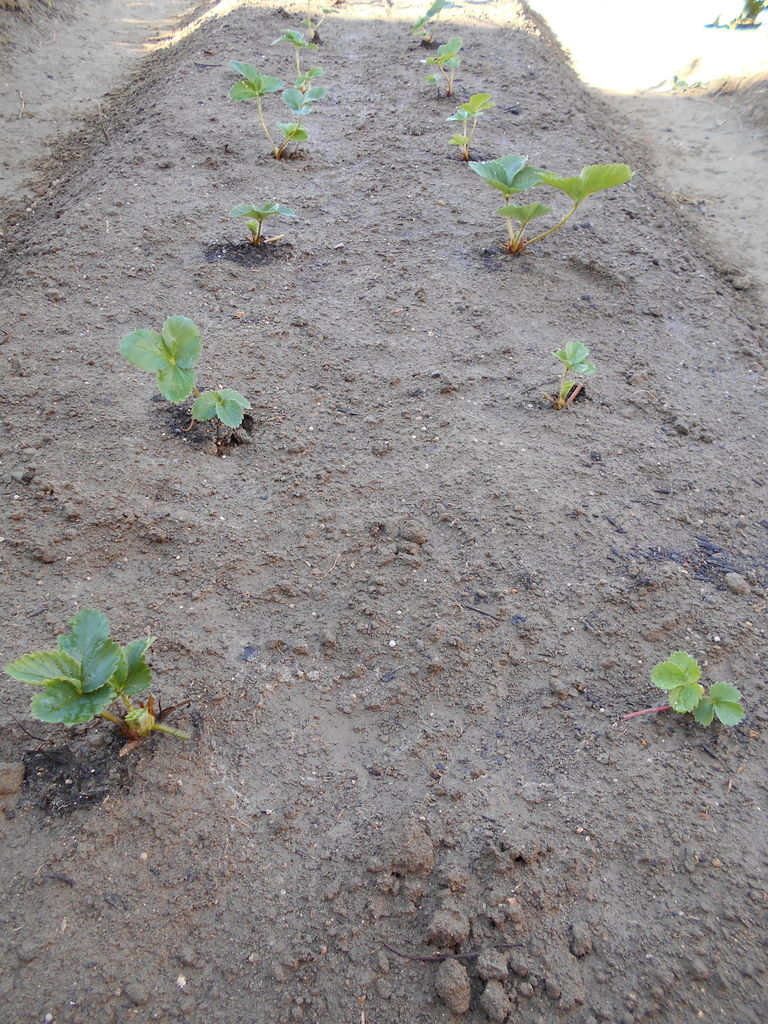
x,y
627,46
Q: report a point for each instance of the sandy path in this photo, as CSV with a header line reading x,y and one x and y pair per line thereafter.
x,y
60,69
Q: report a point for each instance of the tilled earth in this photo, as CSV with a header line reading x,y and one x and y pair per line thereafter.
x,y
412,605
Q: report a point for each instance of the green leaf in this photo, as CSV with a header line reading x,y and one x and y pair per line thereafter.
x,y
87,630
254,84
99,665
524,214
477,103
43,667
574,354
244,91
458,140
678,669
246,70
315,93
294,99
447,50
704,711
685,698
260,213
296,39
294,132
728,712
138,675
176,384
509,174
227,404
308,76
61,702
182,339
144,349
460,115
726,701
594,178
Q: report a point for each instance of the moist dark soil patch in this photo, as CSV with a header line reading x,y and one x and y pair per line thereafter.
x,y
245,253
204,434
71,777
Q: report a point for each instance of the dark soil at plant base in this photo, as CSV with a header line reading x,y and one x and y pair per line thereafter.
x,y
412,612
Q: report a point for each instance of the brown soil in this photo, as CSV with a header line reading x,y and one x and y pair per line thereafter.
x,y
413,607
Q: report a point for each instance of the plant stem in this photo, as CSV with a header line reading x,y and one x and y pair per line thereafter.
x,y
110,718
171,732
563,393
557,226
264,126
298,63
647,711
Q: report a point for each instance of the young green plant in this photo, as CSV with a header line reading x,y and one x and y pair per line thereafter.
x,y
447,62
426,25
300,101
256,215
679,676
313,24
509,175
88,672
574,359
468,113
171,356
594,178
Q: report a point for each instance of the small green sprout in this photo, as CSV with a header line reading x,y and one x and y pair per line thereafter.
x,y
171,356
574,359
468,114
300,101
447,61
312,24
298,42
426,25
88,672
679,675
229,406
255,217
595,178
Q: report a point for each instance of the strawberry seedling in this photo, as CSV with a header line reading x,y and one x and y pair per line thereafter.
x,y
426,25
447,62
313,24
679,676
574,358
255,217
171,356
501,174
468,114
87,673
299,100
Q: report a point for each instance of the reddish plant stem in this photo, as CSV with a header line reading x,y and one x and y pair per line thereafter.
x,y
647,711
